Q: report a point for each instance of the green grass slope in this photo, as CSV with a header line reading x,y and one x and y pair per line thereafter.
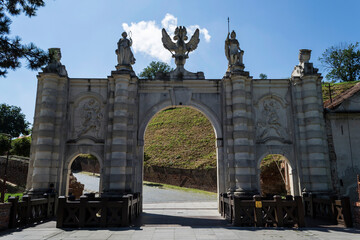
x,y
180,138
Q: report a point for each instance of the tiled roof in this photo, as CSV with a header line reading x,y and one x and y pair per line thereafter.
x,y
342,97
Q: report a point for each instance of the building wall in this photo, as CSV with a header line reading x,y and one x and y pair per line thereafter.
x,y
345,129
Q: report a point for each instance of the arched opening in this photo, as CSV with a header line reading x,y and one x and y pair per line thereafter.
x,y
180,149
275,176
84,176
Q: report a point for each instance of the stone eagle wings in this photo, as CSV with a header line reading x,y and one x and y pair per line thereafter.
x,y
180,47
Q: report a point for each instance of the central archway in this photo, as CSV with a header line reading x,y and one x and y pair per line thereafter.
x,y
180,150
197,107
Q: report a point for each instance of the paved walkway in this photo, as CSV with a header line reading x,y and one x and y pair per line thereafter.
x,y
181,221
172,214
91,183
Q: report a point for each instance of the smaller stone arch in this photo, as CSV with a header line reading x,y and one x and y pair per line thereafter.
x,y
69,161
288,160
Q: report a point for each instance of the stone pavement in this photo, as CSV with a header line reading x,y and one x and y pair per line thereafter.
x,y
187,221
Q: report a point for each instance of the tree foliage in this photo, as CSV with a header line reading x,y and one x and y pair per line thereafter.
x,y
12,121
263,76
5,144
342,62
155,67
11,49
21,146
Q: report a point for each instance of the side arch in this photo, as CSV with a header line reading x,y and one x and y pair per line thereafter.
x,y
293,181
73,154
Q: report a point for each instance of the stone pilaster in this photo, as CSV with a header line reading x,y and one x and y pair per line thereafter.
x,y
48,133
311,137
238,110
120,154
228,133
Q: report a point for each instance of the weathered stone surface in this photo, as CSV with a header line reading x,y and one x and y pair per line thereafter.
x,y
251,118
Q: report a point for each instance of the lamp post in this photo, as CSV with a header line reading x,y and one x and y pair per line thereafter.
x,y
6,166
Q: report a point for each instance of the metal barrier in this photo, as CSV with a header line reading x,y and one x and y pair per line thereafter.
x,y
30,210
98,212
257,212
336,211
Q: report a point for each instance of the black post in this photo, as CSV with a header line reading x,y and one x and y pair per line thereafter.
x,y
13,212
300,208
258,211
82,210
60,216
346,210
5,170
279,211
27,201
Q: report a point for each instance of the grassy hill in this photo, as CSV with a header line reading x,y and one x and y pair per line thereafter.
x,y
180,138
184,137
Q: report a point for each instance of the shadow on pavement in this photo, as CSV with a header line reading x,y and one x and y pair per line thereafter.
x,y
152,219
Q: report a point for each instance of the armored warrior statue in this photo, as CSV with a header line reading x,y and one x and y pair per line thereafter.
x,y
180,51
124,54
233,53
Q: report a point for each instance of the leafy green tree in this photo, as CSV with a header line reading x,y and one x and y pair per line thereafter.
x,y
12,121
21,146
11,49
342,62
263,76
5,144
155,67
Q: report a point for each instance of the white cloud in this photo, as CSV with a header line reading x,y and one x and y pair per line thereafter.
x,y
146,36
203,31
169,23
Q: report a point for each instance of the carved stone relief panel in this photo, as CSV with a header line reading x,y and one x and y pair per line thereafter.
x,y
271,121
88,118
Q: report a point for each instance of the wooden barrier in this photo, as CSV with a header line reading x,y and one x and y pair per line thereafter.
x,y
98,212
4,215
30,210
258,212
336,211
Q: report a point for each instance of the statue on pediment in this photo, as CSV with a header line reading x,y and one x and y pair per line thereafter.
x,y
54,65
124,54
233,52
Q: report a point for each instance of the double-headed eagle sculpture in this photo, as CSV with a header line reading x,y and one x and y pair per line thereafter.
x,y
180,50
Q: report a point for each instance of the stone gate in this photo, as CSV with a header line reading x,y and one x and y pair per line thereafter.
x,y
107,118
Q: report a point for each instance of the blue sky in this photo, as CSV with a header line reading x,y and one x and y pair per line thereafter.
x,y
271,32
